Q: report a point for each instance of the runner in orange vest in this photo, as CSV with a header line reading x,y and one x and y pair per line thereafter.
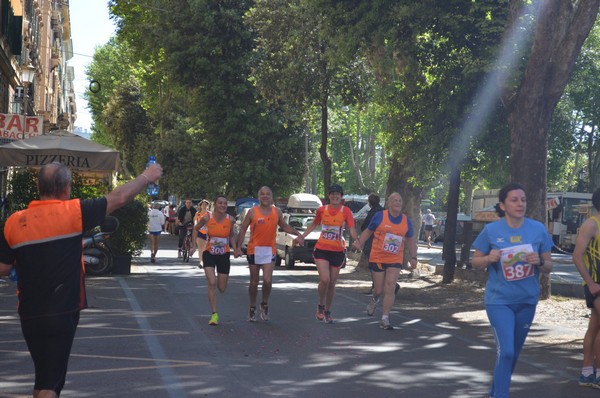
x,y
330,249
219,233
392,231
201,240
263,221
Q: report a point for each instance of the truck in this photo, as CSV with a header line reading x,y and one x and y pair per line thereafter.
x,y
299,214
566,212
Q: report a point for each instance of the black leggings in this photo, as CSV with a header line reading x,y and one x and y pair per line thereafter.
x,y
49,340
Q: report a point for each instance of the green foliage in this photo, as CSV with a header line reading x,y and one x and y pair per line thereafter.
x,y
130,238
199,61
22,189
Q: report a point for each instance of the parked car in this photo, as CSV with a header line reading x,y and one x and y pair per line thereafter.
x,y
299,214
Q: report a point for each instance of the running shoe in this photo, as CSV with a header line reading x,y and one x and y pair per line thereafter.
x,y
328,317
320,315
385,324
264,312
589,381
214,319
371,306
252,314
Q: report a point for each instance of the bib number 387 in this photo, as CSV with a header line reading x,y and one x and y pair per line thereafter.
x,y
517,271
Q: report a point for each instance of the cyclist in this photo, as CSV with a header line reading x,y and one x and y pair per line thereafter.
x,y
185,215
220,236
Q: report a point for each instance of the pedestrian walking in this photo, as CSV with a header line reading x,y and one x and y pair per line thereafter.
x,y
263,221
156,220
392,231
330,249
428,221
215,257
514,250
586,257
43,243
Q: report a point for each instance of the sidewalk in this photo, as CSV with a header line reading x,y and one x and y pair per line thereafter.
x,y
565,279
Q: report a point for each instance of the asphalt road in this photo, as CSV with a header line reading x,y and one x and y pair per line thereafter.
x,y
147,335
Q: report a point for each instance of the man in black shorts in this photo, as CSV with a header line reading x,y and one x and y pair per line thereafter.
x,y
43,243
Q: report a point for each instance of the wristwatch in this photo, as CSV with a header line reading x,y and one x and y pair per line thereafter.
x,y
542,262
413,258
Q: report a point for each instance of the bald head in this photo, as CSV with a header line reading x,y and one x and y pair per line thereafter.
x,y
54,181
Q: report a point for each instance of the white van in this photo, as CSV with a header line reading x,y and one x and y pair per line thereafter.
x,y
300,213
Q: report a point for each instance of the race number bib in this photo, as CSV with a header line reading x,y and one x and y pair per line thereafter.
x,y
391,243
263,255
219,246
514,265
329,232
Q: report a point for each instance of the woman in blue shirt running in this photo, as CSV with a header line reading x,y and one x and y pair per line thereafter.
x,y
514,250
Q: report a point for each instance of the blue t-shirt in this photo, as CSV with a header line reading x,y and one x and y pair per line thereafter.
x,y
515,282
378,218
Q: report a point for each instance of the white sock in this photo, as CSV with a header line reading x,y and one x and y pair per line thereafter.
x,y
385,317
587,370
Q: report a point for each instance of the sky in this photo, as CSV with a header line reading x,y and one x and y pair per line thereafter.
x,y
90,27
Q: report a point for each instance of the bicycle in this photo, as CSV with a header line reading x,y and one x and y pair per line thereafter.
x,y
187,243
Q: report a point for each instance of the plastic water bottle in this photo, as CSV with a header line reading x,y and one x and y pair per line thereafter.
x,y
13,275
152,187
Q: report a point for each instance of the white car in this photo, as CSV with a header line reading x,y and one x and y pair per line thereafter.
x,y
286,249
299,214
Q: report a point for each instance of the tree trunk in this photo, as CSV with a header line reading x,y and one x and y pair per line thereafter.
x,y
450,229
323,148
561,28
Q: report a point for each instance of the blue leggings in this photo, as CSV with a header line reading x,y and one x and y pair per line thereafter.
x,y
510,323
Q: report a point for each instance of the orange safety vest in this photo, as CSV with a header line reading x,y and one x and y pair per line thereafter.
x,y
388,241
218,235
263,229
49,225
332,229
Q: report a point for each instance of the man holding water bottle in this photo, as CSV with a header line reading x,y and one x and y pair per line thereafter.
x,y
43,243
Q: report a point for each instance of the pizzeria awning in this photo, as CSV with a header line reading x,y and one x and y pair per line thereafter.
x,y
60,146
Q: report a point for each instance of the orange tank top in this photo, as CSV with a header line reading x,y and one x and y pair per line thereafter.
x,y
218,235
332,229
263,229
388,241
199,215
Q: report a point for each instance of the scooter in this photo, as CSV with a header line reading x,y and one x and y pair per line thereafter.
x,y
97,254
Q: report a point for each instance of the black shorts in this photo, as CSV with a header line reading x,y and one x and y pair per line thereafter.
x,y
336,259
250,258
589,298
428,227
221,261
49,340
380,267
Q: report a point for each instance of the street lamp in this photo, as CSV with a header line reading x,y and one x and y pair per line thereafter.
x,y
27,76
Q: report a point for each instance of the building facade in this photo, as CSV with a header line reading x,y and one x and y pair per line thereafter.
x,y
35,45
